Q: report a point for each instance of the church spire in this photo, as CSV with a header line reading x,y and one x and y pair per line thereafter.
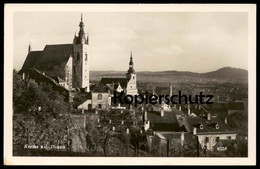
x,y
131,64
81,39
81,24
131,59
81,17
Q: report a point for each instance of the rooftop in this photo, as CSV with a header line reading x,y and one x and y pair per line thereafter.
x,y
110,80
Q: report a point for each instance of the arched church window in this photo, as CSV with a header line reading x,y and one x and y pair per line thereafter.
x,y
86,57
99,97
133,77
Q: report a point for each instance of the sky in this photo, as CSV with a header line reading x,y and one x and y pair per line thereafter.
x,y
182,41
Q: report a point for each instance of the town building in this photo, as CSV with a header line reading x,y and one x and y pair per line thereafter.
x,y
209,129
101,97
160,121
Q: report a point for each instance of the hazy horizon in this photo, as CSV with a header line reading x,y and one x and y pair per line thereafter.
x,y
160,41
160,70
171,70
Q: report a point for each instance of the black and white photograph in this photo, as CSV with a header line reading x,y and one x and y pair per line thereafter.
x,y
115,81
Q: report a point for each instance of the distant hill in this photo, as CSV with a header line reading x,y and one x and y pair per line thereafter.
x,y
227,72
166,76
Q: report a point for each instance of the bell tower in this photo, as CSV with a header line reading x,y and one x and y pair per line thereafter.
x,y
131,77
80,72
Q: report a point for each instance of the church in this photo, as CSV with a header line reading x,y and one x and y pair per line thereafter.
x,y
126,84
68,66
69,63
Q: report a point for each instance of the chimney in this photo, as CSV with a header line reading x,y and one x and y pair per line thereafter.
x,y
87,89
141,131
194,131
133,112
179,107
146,125
98,120
113,128
82,110
29,48
226,122
182,138
121,111
23,76
209,116
162,112
145,115
131,107
119,105
170,90
122,122
188,109
127,131
110,121
43,73
96,111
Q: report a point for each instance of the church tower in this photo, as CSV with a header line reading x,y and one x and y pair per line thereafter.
x,y
131,77
80,59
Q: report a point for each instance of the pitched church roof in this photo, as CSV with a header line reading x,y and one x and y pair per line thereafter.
x,y
51,60
31,59
109,80
54,55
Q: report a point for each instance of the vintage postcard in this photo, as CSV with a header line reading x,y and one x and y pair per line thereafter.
x,y
125,84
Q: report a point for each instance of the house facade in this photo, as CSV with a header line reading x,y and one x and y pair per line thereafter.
x,y
101,97
209,129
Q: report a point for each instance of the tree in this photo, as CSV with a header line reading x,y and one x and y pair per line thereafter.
x,y
28,96
39,114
